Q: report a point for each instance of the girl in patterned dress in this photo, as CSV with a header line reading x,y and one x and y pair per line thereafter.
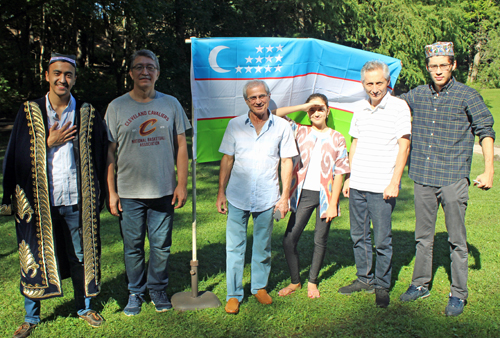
x,y
316,184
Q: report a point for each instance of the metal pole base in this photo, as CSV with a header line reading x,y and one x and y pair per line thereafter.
x,y
184,301
194,300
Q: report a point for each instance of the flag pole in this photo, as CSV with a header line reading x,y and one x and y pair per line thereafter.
x,y
194,300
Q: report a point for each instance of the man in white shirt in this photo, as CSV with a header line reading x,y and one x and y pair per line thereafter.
x,y
380,128
253,145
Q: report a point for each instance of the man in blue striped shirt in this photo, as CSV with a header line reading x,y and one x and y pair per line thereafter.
x,y
447,116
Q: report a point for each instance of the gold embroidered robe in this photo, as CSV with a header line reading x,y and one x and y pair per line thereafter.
x,y
42,254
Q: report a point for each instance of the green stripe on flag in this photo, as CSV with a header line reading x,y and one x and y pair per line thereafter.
x,y
210,132
209,138
339,120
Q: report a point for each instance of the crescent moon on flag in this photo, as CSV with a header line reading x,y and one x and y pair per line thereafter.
x,y
212,59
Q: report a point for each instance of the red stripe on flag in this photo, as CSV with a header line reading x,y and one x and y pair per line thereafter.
x,y
347,111
217,118
274,78
230,117
282,77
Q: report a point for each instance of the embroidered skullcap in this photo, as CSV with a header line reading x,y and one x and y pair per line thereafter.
x,y
439,49
54,57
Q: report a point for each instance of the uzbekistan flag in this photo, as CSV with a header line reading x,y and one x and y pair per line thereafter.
x,y
292,68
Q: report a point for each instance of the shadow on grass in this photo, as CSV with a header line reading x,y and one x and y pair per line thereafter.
x,y
115,288
441,256
340,255
488,104
7,253
212,263
212,260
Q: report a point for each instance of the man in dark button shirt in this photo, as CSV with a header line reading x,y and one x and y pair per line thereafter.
x,y
447,115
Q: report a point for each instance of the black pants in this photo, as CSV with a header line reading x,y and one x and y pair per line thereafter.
x,y
309,200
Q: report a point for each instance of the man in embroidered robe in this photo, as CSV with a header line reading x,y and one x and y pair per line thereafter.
x,y
54,173
447,116
147,140
381,129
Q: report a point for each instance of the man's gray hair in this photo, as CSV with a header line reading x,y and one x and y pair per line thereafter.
x,y
147,53
253,84
374,65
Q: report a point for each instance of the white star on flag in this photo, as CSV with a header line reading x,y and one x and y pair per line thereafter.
x,y
249,59
269,58
258,69
248,69
278,58
259,49
238,69
259,59
268,68
269,49
279,48
278,68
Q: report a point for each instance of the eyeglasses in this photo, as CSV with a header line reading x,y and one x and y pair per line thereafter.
x,y
260,97
444,67
140,68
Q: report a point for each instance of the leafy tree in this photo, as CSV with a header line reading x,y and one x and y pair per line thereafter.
x,y
402,28
104,33
484,51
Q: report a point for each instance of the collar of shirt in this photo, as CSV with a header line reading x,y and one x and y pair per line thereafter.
x,y
381,105
270,122
445,88
68,115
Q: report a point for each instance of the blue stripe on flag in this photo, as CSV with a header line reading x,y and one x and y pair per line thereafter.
x,y
250,58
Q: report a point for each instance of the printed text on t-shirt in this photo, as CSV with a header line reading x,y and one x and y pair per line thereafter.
x,y
145,113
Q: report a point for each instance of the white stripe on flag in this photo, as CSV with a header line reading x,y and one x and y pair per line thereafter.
x,y
224,98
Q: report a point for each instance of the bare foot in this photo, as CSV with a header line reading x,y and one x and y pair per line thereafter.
x,y
312,291
289,289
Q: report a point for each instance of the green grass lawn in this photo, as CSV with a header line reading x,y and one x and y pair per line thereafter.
x,y
332,315
492,99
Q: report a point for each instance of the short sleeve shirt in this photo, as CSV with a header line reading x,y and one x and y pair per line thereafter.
x,y
378,131
253,184
144,133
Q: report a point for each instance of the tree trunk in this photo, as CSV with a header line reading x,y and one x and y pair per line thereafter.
x,y
474,67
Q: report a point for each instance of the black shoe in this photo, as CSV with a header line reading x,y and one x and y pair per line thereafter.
x,y
455,306
160,300
356,286
414,293
24,330
382,298
134,305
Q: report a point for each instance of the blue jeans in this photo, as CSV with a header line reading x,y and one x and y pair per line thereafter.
x,y
155,216
364,207
69,219
236,243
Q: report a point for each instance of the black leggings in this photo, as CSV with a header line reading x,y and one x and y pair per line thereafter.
x,y
309,200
